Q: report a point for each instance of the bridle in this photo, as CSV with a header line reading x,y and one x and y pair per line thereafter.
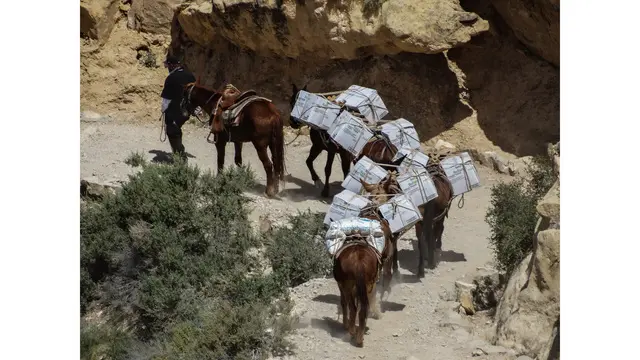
x,y
195,112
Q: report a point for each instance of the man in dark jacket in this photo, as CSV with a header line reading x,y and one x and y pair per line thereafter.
x,y
171,98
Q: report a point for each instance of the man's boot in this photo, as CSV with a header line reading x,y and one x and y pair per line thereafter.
x,y
177,147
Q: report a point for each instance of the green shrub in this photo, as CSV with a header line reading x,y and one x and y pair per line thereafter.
x,y
295,253
167,254
512,215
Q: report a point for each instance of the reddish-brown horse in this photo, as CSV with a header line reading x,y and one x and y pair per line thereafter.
x,y
434,212
259,123
320,141
356,269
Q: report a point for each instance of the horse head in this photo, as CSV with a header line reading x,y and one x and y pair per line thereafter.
x,y
295,124
379,193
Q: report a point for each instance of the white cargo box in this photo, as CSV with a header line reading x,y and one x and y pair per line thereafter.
x,y
402,134
339,230
400,212
461,172
304,103
350,132
413,158
366,101
417,184
366,170
346,204
323,114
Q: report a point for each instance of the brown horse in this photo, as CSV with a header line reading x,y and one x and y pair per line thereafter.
x,y
206,100
259,122
320,141
356,268
433,212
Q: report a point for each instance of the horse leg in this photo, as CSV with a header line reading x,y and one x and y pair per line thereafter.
x,y
220,147
238,156
313,154
426,240
327,172
374,306
345,160
343,307
261,149
438,230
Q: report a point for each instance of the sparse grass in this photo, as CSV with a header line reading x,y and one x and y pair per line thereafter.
x,y
512,215
135,159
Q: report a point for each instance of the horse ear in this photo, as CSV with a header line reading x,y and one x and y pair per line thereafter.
x,y
368,187
387,184
295,89
305,87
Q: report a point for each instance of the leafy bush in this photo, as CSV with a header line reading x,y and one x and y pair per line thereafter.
x,y
167,255
512,215
295,253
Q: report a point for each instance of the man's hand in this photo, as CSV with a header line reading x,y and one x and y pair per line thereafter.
x,y
165,104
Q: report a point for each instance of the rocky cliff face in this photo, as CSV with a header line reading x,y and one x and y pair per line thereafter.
x,y
454,68
528,315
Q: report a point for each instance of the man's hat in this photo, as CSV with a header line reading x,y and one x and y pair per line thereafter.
x,y
171,59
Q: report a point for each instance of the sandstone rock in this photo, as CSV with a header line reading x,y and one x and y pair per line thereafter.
x,y
486,158
323,28
536,23
443,145
153,16
523,357
93,188
549,205
530,307
464,294
500,164
97,18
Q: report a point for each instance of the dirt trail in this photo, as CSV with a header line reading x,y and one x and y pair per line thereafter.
x,y
418,322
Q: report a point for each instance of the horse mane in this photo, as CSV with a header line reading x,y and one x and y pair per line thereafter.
x,y
197,85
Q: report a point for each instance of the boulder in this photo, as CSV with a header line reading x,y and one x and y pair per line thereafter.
x,y
97,18
324,28
464,295
549,205
536,23
530,307
92,188
153,16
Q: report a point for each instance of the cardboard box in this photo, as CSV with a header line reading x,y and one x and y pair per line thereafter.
x,y
413,158
417,184
364,100
350,132
323,114
364,169
400,212
402,134
304,103
344,205
461,172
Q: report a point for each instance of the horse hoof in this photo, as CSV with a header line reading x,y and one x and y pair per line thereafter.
x,y
420,274
318,184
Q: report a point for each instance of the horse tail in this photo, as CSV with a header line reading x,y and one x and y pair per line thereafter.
x,y
427,233
361,290
278,145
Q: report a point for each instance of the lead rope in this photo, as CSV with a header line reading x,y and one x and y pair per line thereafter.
x,y
162,129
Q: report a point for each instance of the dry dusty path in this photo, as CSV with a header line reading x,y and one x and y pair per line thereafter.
x,y
418,323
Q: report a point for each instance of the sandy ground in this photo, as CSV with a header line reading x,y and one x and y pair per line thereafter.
x,y
418,320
